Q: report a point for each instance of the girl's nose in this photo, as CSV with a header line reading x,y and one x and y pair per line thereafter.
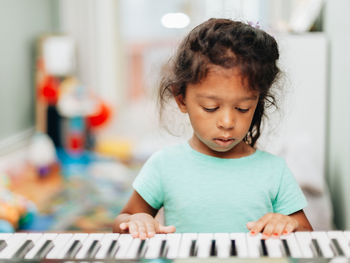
x,y
226,120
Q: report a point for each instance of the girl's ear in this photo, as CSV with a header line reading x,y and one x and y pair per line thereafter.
x,y
180,100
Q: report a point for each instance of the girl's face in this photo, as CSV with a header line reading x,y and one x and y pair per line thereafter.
x,y
221,108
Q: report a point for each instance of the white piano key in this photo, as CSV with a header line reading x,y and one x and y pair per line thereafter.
x,y
153,246
13,243
39,243
173,245
185,245
347,237
5,236
339,235
304,240
124,242
60,241
223,244
106,240
274,247
253,243
133,250
79,237
204,244
293,245
33,237
324,243
241,244
87,243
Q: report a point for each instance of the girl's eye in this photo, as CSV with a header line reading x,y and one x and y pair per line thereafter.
x,y
242,110
210,109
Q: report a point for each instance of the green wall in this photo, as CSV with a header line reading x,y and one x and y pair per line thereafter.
x,y
21,22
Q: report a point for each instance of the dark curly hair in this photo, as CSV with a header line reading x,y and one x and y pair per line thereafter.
x,y
228,44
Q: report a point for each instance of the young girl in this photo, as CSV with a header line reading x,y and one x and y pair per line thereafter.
x,y
218,181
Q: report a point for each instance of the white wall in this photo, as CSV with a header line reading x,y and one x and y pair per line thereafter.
x,y
337,27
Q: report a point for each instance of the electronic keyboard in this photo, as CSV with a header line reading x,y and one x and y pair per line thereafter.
x,y
330,246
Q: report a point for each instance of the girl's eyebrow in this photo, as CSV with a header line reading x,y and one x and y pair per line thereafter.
x,y
213,97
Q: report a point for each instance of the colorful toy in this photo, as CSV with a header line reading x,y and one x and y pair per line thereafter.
x,y
100,116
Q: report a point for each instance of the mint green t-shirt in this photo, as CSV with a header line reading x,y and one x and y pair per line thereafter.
x,y
201,193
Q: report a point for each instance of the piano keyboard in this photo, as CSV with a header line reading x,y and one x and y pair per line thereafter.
x,y
82,246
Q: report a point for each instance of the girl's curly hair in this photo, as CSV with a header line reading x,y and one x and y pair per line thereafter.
x,y
228,44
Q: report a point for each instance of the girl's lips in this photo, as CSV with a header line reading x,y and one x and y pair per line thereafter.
x,y
223,142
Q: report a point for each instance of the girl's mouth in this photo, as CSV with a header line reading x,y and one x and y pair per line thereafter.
x,y
224,142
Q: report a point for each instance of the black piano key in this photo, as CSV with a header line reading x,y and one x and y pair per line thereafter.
x,y
264,251
112,250
140,251
93,249
316,248
193,250
3,244
286,248
23,250
163,249
233,250
213,251
44,250
74,249
339,251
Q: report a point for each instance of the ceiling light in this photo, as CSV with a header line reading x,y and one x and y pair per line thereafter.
x,y
175,20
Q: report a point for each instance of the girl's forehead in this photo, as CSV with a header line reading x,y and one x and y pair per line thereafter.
x,y
223,83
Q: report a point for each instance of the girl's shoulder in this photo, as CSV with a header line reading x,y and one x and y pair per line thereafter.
x,y
270,158
170,151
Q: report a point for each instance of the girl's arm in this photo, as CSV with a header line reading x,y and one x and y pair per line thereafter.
x,y
303,222
137,218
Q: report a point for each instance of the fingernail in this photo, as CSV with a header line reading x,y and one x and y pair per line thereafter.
x,y
252,232
285,232
275,234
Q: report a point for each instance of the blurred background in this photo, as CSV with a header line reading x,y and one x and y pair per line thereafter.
x,y
78,115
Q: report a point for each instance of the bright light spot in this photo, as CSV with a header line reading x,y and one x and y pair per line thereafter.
x,y
175,20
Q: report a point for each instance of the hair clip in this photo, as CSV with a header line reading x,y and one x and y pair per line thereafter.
x,y
255,25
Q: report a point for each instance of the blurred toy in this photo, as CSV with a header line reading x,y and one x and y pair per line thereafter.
x,y
15,210
42,154
48,90
100,116
119,148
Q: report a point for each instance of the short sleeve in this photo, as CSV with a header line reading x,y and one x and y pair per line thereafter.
x,y
290,197
148,182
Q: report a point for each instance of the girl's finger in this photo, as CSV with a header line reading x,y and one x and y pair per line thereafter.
x,y
150,230
133,229
250,225
288,229
279,229
268,230
124,226
260,225
166,229
141,229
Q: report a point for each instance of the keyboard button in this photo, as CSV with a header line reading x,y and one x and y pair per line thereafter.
x,y
241,244
293,245
106,241
91,246
173,245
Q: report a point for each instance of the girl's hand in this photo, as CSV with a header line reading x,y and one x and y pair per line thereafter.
x,y
273,224
143,225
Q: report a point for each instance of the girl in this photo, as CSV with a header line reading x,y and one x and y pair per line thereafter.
x,y
218,181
